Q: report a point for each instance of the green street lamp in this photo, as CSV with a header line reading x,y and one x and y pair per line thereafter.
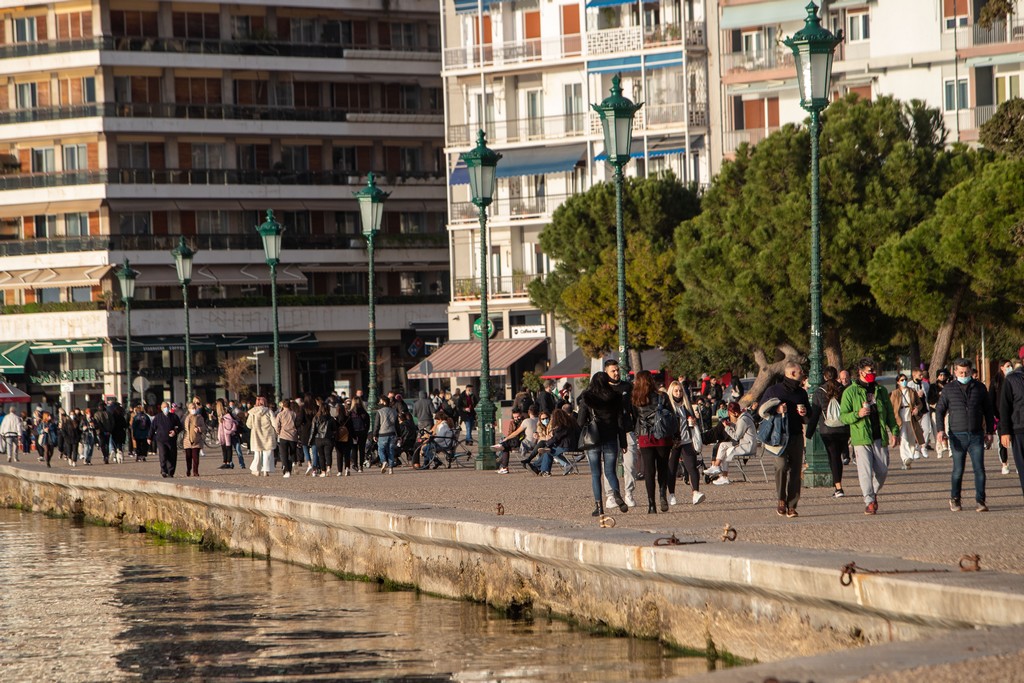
x,y
270,232
183,263
813,48
482,163
371,210
617,113
126,276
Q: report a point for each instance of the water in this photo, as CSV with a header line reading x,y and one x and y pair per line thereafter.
x,y
85,603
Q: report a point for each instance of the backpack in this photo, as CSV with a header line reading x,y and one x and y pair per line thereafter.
x,y
663,423
832,418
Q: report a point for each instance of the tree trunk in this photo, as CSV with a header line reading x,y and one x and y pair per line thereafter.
x,y
833,350
636,363
768,372
944,337
915,351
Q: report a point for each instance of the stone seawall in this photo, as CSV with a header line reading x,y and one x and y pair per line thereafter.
x,y
753,601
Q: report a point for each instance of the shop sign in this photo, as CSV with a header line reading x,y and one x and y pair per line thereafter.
x,y
528,331
83,375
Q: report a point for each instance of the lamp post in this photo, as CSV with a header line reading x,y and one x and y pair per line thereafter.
x,y
270,232
482,162
126,276
617,114
183,262
371,210
813,48
255,357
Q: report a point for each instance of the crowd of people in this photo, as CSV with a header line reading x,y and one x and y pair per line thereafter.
x,y
657,429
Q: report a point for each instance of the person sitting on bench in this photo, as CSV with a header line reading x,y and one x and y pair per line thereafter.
x,y
441,438
742,435
558,442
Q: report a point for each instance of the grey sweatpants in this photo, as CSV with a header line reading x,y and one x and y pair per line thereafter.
x,y
872,468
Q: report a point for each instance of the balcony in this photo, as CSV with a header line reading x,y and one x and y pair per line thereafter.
x,y
507,287
744,62
613,40
194,176
969,119
505,207
286,300
734,138
675,114
521,130
291,240
1000,32
513,52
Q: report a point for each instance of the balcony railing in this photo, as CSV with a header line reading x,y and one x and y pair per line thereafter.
x,y
513,52
970,119
291,240
506,287
519,130
739,62
203,112
751,136
270,48
611,40
518,207
1000,32
675,114
197,176
295,300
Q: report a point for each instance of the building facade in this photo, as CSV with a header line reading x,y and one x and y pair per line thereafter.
x,y
526,73
128,123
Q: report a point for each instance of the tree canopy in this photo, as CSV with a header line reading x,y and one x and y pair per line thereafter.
x,y
1004,132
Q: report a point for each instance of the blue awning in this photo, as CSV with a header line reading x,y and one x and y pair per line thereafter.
x,y
611,3
532,161
761,14
651,153
471,6
663,60
601,66
460,174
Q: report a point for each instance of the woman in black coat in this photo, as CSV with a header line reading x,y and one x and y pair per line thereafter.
x,y
600,413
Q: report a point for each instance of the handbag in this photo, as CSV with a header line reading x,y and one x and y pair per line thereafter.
x,y
590,437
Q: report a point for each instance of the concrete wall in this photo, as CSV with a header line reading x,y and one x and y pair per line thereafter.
x,y
754,601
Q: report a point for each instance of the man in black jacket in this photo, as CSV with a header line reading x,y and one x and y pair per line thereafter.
x,y
629,455
971,425
466,408
793,403
163,431
546,399
1011,416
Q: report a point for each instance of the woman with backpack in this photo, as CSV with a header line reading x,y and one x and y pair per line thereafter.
x,y
227,431
322,431
359,428
825,418
656,429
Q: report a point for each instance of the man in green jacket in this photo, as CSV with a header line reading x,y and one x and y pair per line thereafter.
x,y
866,408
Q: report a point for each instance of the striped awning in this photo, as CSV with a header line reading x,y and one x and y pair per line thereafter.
x,y
42,278
462,358
13,356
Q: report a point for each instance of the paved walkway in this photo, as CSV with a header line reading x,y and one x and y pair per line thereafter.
x,y
913,521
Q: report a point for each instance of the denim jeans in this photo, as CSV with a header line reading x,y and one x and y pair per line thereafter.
x,y
603,456
960,444
238,451
548,459
88,441
386,449
467,424
311,455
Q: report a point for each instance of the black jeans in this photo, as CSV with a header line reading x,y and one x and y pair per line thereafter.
x,y
359,449
287,451
1018,456
225,454
686,453
324,449
168,453
655,463
838,447
787,471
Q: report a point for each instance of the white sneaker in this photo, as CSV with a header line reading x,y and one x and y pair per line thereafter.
x,y
672,499
610,503
391,471
324,473
383,468
348,472
917,455
287,474
630,501
721,481
1006,468
339,473
924,453
309,468
698,497
713,470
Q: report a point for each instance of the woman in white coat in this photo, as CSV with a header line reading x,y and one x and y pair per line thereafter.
x,y
262,438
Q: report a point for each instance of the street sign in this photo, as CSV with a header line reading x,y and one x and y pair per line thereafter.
x,y
67,387
426,367
477,326
140,384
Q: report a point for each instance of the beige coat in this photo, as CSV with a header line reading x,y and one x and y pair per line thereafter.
x,y
286,425
193,438
915,402
262,435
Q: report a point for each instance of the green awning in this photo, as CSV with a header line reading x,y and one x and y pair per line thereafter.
x,y
13,357
51,346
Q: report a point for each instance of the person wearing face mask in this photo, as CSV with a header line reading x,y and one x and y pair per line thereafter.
x,y
865,406
793,403
195,425
941,379
918,383
163,431
543,432
995,390
970,428
906,407
1011,408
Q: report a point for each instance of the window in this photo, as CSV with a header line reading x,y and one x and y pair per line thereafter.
x,y
304,30
284,94
211,222
404,36
75,158
574,110
42,160
350,283
48,295
207,156
25,96
347,222
753,45
344,158
858,26
955,96
79,294
196,25
409,97
338,32
1007,87
76,224
88,89
46,226
954,22
409,159
133,155
535,112
241,27
25,30
137,223
295,157
433,37
413,222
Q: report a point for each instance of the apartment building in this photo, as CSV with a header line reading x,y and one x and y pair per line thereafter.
x,y
125,124
526,72
932,50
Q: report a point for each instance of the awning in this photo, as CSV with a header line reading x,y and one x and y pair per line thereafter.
x,y
462,358
469,6
82,276
576,364
255,274
613,65
844,4
658,150
219,342
761,14
9,394
52,346
761,88
995,60
460,174
611,3
535,161
10,161
663,60
13,356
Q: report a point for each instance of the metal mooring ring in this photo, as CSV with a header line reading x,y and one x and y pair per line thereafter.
x,y
728,534
970,563
501,509
607,522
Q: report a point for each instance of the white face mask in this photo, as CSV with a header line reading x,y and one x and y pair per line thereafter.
x,y
166,411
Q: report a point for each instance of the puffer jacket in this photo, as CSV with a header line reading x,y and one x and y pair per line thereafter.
x,y
262,435
287,425
968,407
226,429
195,425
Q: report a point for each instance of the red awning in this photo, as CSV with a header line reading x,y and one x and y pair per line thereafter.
x,y
9,394
462,358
